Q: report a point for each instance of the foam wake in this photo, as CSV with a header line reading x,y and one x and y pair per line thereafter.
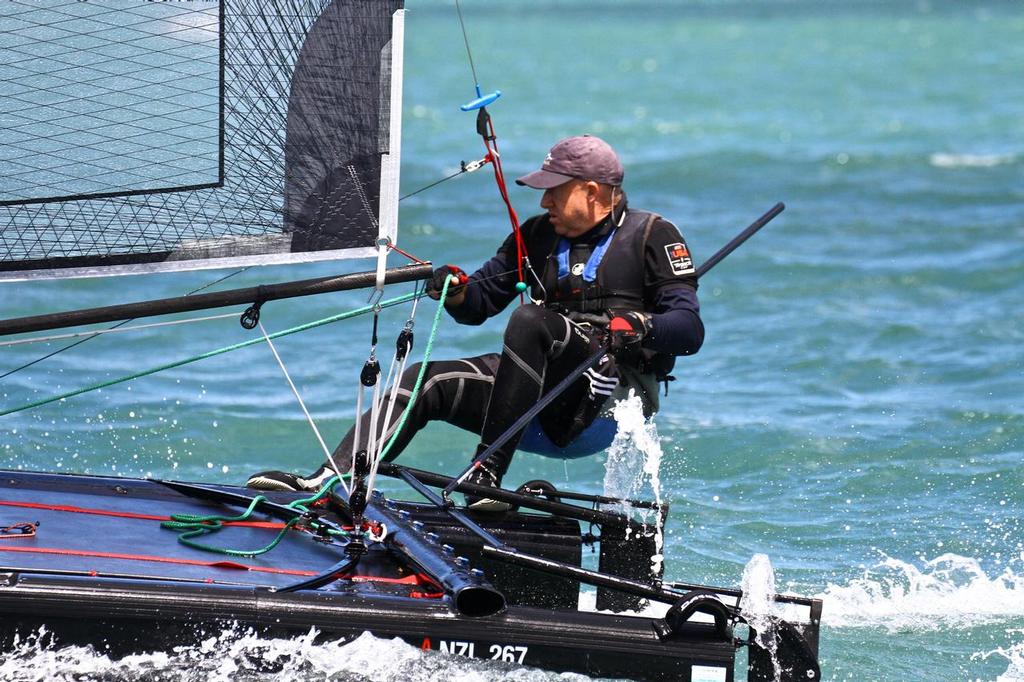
x,y
243,656
970,160
1014,654
947,592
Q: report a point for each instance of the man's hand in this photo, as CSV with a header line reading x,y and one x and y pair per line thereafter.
x,y
627,329
456,287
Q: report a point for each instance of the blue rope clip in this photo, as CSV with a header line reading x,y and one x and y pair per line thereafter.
x,y
481,100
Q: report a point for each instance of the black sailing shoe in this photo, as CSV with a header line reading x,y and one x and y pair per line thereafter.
x,y
482,475
284,481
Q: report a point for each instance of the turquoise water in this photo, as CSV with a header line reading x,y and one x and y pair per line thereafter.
x,y
855,413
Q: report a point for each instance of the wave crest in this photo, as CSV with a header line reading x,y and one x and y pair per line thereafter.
x,y
940,160
948,591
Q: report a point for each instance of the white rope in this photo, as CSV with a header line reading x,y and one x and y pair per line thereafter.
x,y
392,383
390,394
302,404
97,332
371,442
376,443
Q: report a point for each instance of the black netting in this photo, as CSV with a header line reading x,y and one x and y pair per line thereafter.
x,y
117,109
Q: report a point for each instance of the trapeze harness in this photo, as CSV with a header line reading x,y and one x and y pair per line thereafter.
x,y
574,284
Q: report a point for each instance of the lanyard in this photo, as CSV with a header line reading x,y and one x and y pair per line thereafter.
x,y
590,270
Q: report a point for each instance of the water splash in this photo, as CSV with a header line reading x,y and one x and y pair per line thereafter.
x,y
633,465
948,591
237,655
1014,654
758,605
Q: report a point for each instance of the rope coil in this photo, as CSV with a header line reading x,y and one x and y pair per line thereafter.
x,y
193,526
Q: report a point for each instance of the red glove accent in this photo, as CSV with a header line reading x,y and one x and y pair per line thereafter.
x,y
620,324
446,272
462,279
627,329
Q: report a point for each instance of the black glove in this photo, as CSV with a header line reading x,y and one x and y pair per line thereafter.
x,y
436,283
627,329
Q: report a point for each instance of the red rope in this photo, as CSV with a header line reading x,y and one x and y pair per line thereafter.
x,y
158,559
414,579
127,515
418,579
494,157
406,254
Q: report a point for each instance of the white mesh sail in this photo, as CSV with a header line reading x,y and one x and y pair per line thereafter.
x,y
141,136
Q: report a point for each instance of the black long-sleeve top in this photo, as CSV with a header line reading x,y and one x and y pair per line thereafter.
x,y
669,289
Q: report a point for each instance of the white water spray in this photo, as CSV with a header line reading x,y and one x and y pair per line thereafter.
x,y
1014,654
947,591
759,607
238,654
634,461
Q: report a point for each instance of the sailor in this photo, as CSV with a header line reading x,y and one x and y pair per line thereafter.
x,y
598,272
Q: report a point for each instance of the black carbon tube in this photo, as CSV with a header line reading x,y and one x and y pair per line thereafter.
x,y
470,592
216,299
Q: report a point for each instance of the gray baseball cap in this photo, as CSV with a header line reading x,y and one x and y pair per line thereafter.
x,y
583,157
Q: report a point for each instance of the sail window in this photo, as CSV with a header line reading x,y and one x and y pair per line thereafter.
x,y
104,98
196,133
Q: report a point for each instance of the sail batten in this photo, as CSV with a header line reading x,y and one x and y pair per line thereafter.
x,y
245,132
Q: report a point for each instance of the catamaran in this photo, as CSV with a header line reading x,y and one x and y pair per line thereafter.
x,y
284,148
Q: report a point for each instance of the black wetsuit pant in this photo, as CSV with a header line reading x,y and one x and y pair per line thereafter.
x,y
488,393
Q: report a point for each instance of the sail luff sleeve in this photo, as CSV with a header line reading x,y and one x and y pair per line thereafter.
x,y
392,62
391,155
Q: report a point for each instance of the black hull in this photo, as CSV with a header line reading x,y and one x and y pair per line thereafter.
x,y
101,571
137,616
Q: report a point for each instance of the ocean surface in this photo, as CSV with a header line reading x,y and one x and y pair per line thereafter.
x,y
856,412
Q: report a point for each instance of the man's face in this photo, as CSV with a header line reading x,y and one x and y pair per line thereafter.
x,y
572,207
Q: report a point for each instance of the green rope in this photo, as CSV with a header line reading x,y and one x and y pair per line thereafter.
x,y
309,325
195,526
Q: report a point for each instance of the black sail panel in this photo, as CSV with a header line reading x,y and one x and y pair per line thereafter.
x,y
337,127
